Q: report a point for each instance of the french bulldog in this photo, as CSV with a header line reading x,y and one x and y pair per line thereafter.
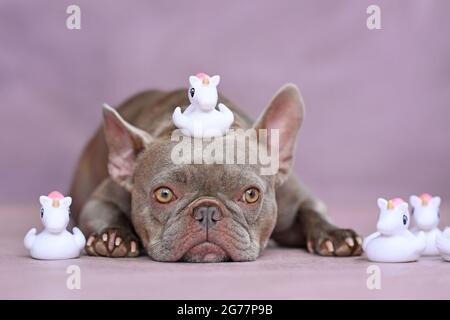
x,y
130,198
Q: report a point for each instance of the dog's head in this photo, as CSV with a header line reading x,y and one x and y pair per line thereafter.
x,y
203,212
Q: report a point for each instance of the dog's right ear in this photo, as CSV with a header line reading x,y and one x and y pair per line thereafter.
x,y
124,142
284,113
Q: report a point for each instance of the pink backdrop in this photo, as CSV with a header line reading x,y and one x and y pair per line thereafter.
x,y
377,101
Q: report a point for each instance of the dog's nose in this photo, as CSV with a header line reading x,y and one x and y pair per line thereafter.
x,y
207,215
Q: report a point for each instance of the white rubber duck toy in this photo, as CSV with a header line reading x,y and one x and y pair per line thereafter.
x,y
443,244
393,242
55,242
201,119
425,211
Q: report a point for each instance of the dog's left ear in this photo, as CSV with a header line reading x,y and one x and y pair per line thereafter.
x,y
124,142
285,113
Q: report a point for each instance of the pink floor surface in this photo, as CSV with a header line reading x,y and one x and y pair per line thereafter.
x,y
278,274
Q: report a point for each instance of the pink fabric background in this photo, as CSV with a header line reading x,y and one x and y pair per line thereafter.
x,y
377,101
377,124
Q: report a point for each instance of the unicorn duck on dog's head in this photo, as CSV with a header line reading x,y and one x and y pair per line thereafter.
x,y
425,211
393,242
55,242
201,119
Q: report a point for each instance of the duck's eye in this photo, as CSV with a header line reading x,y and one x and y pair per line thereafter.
x,y
412,211
192,92
439,214
405,220
163,195
42,213
251,195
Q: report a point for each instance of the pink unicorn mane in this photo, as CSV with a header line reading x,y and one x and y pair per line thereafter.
x,y
393,203
425,197
397,201
202,75
55,195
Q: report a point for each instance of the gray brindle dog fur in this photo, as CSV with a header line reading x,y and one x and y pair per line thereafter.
x,y
131,199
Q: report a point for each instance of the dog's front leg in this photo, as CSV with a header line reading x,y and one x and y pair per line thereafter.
x,y
105,220
324,238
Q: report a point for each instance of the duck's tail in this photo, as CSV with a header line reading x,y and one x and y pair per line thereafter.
x,y
369,238
443,244
179,119
29,238
421,241
79,237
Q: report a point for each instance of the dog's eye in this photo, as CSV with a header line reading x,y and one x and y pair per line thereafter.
x,y
192,92
163,195
42,213
251,195
405,220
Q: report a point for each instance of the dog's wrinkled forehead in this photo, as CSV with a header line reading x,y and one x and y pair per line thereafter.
x,y
156,167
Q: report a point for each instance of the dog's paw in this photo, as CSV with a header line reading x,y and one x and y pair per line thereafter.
x,y
112,242
335,242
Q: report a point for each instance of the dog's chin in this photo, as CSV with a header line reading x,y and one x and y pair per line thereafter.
x,y
206,252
